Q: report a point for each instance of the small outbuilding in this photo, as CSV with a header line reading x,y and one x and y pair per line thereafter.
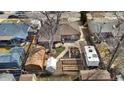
x,y
95,75
51,64
36,59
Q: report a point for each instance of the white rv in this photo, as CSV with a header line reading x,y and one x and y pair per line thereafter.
x,y
91,56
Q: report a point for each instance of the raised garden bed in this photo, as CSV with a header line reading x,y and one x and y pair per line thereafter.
x,y
72,53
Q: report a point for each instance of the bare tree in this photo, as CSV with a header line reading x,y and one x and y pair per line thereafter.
x,y
120,21
99,34
49,25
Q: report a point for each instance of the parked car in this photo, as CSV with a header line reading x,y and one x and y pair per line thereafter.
x,y
12,16
17,16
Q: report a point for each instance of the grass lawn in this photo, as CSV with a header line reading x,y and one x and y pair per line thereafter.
x,y
59,50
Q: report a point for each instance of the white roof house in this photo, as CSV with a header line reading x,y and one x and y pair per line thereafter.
x,y
91,56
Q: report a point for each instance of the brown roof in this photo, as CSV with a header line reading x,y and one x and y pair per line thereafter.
x,y
64,29
95,75
27,77
44,38
67,29
36,59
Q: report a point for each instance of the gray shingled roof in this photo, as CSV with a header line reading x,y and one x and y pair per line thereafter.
x,y
107,27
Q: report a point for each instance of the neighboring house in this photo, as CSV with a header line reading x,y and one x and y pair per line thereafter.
x,y
11,33
14,30
106,20
12,59
106,27
67,31
95,75
103,25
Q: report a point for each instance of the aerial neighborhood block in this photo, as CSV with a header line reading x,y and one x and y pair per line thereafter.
x,y
61,46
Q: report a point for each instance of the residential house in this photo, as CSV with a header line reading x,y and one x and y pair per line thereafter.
x,y
20,24
12,34
67,32
103,26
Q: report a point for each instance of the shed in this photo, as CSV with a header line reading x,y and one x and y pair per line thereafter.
x,y
91,56
107,26
6,77
36,59
95,75
51,64
28,77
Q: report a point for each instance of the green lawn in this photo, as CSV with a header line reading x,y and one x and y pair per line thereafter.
x,y
59,50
